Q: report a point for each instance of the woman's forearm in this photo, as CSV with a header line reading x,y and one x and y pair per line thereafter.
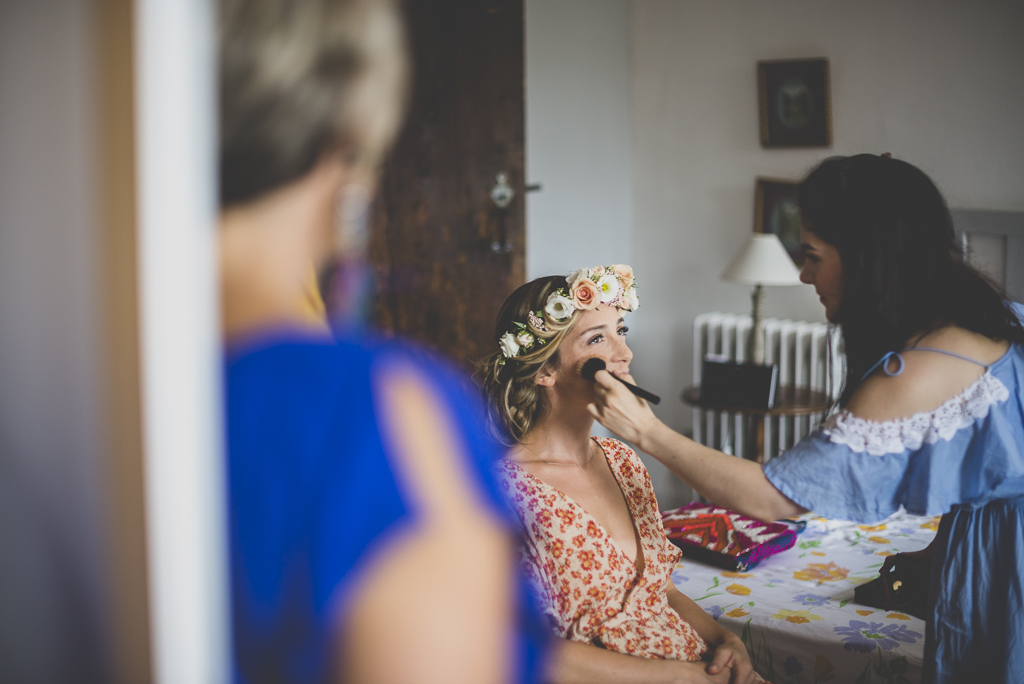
x,y
726,480
709,630
578,663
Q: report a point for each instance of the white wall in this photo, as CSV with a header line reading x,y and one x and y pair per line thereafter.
x,y
577,135
937,84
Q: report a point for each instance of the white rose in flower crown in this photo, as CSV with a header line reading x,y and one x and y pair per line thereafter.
x,y
609,287
559,307
576,275
509,345
631,300
524,339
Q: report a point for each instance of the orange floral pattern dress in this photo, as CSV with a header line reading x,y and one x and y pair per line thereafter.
x,y
591,590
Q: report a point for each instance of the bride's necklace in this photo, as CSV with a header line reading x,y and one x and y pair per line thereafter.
x,y
590,456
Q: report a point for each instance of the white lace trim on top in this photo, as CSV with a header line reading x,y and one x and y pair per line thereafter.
x,y
896,436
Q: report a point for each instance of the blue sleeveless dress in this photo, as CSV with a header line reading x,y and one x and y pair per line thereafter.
x,y
312,496
965,460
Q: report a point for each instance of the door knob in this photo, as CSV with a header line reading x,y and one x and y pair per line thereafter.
x,y
502,193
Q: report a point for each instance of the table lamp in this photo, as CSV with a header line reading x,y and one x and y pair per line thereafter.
x,y
762,261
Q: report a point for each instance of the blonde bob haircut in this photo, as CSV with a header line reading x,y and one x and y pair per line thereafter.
x,y
300,79
516,403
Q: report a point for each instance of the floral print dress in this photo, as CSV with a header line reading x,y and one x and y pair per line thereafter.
x,y
591,590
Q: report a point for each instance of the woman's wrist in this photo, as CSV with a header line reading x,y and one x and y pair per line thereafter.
x,y
719,637
652,436
729,637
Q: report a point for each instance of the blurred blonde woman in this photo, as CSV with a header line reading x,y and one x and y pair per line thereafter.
x,y
368,542
593,547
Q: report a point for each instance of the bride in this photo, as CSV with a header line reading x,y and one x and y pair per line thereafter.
x,y
593,544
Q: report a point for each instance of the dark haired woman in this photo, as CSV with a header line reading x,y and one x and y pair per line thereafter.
x,y
368,539
931,415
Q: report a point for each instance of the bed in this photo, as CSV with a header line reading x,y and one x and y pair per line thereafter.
x,y
795,611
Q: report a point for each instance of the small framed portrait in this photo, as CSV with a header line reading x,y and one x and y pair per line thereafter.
x,y
777,210
795,103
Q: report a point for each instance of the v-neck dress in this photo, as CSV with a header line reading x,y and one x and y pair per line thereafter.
x,y
590,589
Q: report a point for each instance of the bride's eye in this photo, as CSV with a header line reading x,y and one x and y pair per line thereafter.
x,y
623,330
596,338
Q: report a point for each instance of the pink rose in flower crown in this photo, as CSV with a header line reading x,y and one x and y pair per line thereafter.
x,y
625,274
585,294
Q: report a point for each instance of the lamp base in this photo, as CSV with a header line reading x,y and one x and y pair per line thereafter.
x,y
756,345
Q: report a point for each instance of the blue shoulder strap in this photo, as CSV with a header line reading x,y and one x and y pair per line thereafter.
x,y
884,361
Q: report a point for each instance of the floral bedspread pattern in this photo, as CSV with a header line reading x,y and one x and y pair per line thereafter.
x,y
795,611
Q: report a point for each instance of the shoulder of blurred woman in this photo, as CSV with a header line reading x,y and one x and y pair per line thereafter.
x,y
929,379
444,394
308,383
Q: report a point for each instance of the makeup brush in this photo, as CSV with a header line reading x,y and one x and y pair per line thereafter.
x,y
594,364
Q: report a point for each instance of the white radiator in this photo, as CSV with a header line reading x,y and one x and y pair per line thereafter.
x,y
800,349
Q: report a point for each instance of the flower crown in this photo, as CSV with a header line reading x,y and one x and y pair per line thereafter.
x,y
612,285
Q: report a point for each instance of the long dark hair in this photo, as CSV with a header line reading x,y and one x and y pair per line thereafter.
x,y
904,272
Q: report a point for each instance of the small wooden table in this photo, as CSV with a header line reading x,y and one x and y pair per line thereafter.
x,y
789,401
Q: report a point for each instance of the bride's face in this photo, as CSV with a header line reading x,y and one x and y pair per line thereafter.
x,y
599,332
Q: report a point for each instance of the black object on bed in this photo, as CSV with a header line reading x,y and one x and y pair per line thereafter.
x,y
907,578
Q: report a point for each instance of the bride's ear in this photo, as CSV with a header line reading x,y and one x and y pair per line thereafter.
x,y
546,376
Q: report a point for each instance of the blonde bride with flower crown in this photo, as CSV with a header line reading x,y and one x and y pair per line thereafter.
x,y
592,541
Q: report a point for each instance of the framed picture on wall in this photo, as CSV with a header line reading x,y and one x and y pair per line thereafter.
x,y
795,103
777,210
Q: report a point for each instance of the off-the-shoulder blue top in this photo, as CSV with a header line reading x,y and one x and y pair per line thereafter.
x,y
312,495
964,460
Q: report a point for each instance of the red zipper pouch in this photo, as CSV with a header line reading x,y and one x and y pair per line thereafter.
x,y
723,538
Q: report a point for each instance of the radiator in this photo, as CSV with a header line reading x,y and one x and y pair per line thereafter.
x,y
802,351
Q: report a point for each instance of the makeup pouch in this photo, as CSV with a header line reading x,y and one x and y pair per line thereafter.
x,y
723,538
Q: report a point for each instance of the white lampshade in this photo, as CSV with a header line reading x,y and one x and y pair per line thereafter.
x,y
762,261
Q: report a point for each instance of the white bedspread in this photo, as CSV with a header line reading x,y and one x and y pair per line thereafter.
x,y
795,610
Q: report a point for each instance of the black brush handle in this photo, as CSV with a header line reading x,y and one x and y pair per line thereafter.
x,y
595,364
650,397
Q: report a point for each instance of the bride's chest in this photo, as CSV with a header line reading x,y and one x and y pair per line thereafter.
x,y
594,511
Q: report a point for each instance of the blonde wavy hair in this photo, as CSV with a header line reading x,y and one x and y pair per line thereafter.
x,y
516,403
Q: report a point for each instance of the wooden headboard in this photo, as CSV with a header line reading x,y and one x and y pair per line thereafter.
x,y
994,242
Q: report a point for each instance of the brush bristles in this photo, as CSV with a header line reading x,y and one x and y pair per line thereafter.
x,y
590,367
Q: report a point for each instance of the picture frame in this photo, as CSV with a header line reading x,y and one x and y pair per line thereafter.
x,y
795,103
777,210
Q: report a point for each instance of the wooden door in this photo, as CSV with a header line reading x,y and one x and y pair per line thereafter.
x,y
444,255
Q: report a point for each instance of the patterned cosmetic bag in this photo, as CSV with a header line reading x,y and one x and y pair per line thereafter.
x,y
723,538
